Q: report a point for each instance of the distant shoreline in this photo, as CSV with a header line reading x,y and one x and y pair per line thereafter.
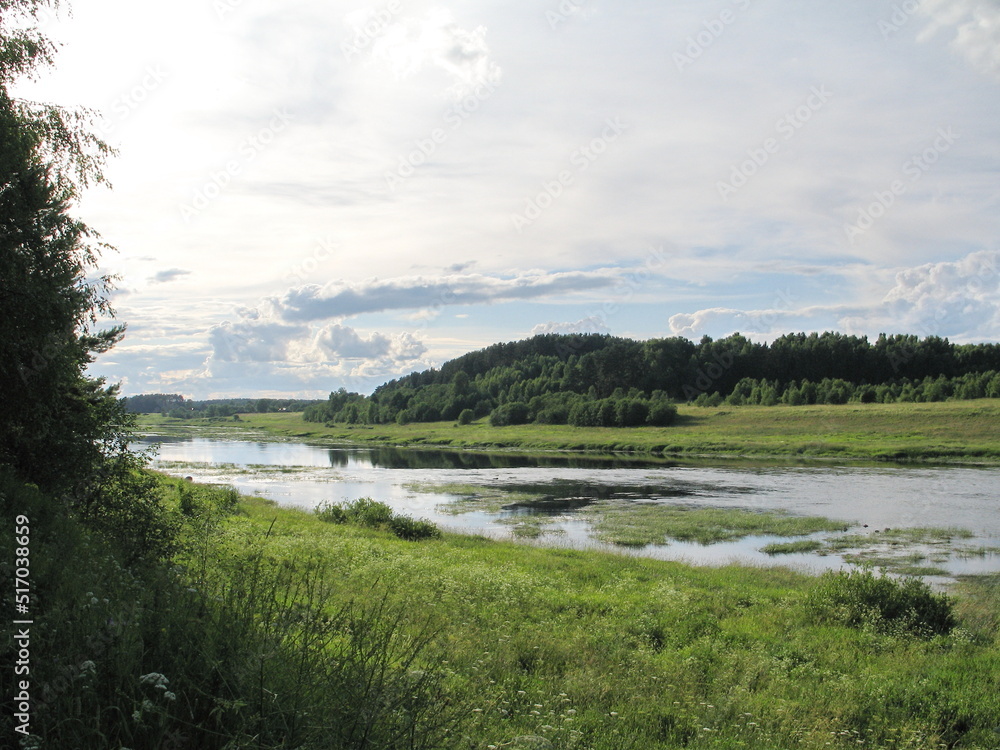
x,y
966,432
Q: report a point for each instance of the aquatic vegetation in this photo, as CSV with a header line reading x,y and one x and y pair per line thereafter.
x,y
788,548
639,524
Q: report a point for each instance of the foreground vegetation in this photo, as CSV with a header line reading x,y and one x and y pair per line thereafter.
x,y
953,430
278,629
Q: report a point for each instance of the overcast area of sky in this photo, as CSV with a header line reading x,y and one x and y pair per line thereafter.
x,y
315,194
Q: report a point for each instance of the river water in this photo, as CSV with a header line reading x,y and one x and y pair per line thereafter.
x,y
867,499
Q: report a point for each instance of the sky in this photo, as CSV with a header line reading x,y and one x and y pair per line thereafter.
x,y
316,194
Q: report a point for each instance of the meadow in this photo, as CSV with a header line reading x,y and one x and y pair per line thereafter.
x,y
276,629
942,431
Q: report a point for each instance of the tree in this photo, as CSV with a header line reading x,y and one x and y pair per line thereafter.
x,y
58,427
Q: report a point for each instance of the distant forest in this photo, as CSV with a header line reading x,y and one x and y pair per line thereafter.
x,y
175,405
600,380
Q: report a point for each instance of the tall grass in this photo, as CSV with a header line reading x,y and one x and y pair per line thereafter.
x,y
228,648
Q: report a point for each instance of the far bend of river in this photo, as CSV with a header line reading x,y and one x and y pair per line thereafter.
x,y
882,496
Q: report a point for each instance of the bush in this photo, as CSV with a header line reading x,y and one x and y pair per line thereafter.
x,y
331,512
377,515
367,512
466,416
860,599
515,412
413,530
664,413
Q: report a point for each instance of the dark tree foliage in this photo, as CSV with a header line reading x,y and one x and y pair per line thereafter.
x,y
608,381
55,421
59,428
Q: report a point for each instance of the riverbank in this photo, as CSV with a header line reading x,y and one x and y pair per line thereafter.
x,y
530,647
951,431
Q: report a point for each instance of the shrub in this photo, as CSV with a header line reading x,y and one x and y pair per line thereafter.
x,y
367,512
861,599
664,413
515,412
466,416
413,530
377,515
331,512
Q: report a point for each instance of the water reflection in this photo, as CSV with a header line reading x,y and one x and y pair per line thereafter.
x,y
561,485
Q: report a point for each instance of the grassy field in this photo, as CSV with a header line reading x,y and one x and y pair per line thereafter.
x,y
524,647
955,430
274,629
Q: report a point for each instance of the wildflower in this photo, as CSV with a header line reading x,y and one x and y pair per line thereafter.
x,y
169,696
155,679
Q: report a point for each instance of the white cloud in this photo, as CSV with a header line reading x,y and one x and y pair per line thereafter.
x,y
408,45
341,342
587,325
976,27
957,299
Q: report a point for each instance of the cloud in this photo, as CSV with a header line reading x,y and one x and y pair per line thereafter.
x,y
162,277
341,342
408,45
956,299
976,25
406,293
253,340
587,325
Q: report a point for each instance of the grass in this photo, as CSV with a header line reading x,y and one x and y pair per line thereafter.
x,y
639,524
789,548
946,431
277,630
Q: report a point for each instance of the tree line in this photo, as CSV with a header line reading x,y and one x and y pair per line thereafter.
x,y
601,380
176,406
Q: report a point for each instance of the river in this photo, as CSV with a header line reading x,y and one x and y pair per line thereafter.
x,y
869,500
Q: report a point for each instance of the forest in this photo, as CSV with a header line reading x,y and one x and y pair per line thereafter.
x,y
176,406
600,380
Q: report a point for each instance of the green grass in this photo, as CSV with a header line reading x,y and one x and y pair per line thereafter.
x,y
946,431
586,649
639,524
277,630
789,548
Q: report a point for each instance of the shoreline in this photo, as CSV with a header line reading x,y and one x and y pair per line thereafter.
x,y
954,433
